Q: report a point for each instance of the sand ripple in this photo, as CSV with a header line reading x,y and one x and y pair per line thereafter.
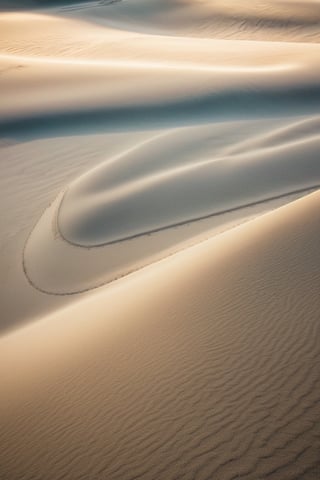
x,y
178,142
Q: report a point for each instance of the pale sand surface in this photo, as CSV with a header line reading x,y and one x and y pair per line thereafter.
x,y
81,76
159,240
208,369
136,210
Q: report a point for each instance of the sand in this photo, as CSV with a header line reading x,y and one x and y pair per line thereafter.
x,y
202,366
159,240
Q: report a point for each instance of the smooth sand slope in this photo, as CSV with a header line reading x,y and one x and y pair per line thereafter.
x,y
99,78
171,190
159,240
166,193
202,366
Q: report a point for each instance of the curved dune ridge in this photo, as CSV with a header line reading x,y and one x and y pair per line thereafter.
x,y
88,79
148,191
203,366
176,186
166,151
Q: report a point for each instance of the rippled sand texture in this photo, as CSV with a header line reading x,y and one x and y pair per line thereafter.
x,y
204,366
159,240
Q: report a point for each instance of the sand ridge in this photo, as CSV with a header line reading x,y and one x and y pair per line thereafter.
x,y
159,240
113,79
179,380
123,192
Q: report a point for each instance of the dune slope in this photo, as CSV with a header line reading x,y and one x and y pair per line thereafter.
x,y
166,193
209,370
159,240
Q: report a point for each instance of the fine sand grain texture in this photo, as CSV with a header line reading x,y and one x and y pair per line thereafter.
x,y
159,240
202,366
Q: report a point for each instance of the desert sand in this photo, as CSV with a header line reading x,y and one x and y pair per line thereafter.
x,y
159,240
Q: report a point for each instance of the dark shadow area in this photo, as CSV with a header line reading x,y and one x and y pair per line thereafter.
x,y
222,106
29,4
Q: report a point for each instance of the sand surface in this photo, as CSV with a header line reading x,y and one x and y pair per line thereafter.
x,y
159,240
202,366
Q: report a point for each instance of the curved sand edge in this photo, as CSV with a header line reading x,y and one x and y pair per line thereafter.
x,y
166,194
209,366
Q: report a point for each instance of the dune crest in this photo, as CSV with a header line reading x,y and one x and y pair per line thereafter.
x,y
159,240
165,194
143,193
209,367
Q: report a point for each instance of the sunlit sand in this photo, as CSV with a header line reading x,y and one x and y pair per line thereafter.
x,y
160,261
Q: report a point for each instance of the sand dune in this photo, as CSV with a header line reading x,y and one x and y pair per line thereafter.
x,y
286,20
208,370
190,186
159,240
123,199
87,82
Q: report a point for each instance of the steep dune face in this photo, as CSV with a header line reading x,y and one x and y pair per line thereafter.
x,y
205,365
